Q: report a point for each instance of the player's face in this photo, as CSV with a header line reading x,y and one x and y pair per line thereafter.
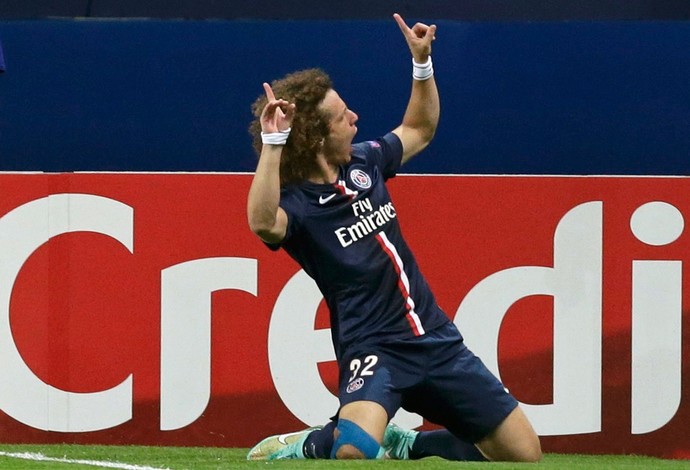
x,y
343,129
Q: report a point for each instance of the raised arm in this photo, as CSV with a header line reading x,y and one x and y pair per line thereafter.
x,y
422,113
265,217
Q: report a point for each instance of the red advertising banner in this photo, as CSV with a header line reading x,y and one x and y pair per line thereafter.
x,y
140,309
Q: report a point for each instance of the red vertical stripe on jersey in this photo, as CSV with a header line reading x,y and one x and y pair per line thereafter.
x,y
403,283
343,189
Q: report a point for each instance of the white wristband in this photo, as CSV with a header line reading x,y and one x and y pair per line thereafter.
x,y
275,138
422,71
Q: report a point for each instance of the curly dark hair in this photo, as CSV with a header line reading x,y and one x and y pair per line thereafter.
x,y
306,89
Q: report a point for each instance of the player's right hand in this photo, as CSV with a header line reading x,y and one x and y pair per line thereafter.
x,y
277,115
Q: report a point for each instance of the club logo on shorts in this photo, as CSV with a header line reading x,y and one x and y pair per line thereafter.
x,y
360,179
355,385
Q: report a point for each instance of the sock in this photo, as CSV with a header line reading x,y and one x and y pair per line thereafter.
x,y
320,442
442,443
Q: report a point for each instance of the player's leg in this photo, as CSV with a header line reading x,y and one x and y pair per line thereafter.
x,y
369,395
366,403
405,444
462,395
513,440
285,446
319,443
359,432
398,443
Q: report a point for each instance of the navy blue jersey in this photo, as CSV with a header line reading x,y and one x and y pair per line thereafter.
x,y
346,236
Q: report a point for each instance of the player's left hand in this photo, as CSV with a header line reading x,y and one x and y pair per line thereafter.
x,y
418,38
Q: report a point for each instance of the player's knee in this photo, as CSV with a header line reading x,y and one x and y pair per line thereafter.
x,y
354,443
527,450
522,453
531,456
348,452
532,451
512,443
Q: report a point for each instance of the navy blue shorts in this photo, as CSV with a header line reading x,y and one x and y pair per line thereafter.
x,y
434,375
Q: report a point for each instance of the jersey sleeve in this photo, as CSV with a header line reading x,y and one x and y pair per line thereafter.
x,y
385,153
290,204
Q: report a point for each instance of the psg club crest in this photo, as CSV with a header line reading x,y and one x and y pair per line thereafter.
x,y
356,385
360,179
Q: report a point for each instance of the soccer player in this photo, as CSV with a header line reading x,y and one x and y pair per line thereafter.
x,y
324,201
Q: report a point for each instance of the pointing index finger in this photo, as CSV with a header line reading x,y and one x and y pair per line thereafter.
x,y
269,92
401,23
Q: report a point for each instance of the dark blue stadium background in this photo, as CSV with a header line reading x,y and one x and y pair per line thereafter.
x,y
527,88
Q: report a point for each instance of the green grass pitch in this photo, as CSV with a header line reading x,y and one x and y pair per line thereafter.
x,y
78,457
